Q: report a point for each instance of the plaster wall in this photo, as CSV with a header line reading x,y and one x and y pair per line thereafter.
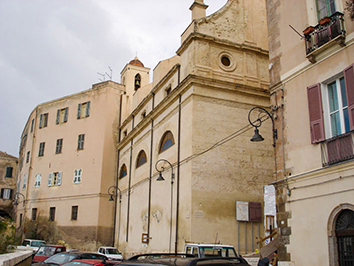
x,y
313,196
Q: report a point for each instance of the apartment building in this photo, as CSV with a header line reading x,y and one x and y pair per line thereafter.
x,y
312,95
68,161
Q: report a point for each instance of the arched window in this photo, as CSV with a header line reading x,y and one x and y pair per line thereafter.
x,y
137,81
166,141
345,236
141,159
123,171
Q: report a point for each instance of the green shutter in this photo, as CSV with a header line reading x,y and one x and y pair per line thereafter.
x,y
58,116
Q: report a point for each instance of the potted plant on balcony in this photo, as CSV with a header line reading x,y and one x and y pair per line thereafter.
x,y
308,30
325,21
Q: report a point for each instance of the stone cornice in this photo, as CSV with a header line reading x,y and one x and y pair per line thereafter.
x,y
198,36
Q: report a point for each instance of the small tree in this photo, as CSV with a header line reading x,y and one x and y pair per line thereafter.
x,y
42,229
7,235
350,8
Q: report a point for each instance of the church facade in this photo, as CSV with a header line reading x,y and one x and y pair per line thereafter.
x,y
188,127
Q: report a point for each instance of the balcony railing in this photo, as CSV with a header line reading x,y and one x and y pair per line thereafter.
x,y
329,28
338,149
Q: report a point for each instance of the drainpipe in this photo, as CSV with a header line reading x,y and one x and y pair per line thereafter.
x,y
117,177
178,160
151,148
130,179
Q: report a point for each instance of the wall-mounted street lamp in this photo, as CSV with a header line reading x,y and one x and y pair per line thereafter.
x,y
258,122
16,199
113,192
160,169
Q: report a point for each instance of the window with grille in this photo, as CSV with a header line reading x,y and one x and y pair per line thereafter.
x,y
345,237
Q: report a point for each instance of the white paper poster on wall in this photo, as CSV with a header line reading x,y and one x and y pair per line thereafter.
x,y
242,211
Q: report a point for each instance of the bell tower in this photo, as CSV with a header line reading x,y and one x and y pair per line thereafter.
x,y
134,76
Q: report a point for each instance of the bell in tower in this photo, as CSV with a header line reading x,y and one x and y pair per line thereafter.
x,y
137,81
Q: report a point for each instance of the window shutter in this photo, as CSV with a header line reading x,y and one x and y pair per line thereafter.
x,y
59,178
79,175
9,171
41,121
88,109
50,179
315,113
58,116
66,113
2,193
255,212
349,86
11,193
79,111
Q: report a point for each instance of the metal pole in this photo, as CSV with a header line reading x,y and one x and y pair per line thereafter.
x,y
245,237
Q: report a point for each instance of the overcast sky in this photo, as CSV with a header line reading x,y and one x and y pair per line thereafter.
x,y
53,48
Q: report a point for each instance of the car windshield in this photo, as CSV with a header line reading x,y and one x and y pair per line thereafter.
x,y
217,251
37,243
77,263
46,251
60,258
112,251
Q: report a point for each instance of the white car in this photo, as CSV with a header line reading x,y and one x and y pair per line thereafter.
x,y
111,252
31,244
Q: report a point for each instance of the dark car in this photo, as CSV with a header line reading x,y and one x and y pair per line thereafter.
x,y
182,260
61,258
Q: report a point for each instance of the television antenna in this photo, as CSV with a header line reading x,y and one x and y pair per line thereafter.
x,y
103,75
110,76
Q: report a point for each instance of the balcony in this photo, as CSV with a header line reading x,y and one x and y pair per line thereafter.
x,y
328,32
338,149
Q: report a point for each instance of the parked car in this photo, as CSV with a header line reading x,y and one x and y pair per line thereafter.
x,y
90,263
210,250
31,244
61,258
46,251
171,259
111,252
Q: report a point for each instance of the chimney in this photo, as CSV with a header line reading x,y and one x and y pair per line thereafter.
x,y
198,9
